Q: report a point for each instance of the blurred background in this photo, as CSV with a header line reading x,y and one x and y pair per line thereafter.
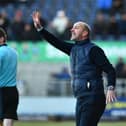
x,y
43,71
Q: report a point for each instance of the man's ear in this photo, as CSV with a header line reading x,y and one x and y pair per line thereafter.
x,y
2,39
85,33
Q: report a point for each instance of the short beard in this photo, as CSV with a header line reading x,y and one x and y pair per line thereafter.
x,y
72,38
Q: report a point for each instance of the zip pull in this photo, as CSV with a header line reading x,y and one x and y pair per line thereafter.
x,y
88,85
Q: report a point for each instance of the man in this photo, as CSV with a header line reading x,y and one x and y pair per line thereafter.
x,y
8,90
88,62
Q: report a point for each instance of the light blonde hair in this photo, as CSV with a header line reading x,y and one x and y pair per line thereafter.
x,y
85,26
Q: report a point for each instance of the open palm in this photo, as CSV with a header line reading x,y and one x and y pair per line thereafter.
x,y
36,19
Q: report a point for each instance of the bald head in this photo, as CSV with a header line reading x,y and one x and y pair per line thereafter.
x,y
80,31
84,25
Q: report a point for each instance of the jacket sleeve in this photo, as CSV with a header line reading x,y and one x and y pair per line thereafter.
x,y
59,44
98,56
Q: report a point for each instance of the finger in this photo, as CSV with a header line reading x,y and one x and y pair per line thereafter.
x,y
113,96
107,100
112,99
115,99
33,15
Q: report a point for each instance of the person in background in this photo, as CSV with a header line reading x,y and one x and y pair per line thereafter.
x,y
60,23
88,62
62,75
8,90
122,26
118,6
120,68
113,28
17,26
100,27
28,34
4,21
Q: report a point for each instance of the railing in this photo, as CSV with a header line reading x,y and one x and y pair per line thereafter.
x,y
59,87
62,87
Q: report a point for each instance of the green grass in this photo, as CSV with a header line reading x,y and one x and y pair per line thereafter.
x,y
63,123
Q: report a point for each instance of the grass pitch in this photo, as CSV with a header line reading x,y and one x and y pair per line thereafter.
x,y
63,123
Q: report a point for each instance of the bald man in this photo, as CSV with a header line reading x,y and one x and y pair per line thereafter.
x,y
88,62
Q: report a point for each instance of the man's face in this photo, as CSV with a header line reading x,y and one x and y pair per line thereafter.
x,y
2,39
77,31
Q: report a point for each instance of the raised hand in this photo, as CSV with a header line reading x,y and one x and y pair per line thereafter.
x,y
36,19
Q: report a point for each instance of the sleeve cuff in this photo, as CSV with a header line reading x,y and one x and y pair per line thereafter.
x,y
111,87
39,29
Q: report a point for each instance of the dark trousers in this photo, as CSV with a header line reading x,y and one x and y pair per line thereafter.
x,y
1,105
8,102
89,110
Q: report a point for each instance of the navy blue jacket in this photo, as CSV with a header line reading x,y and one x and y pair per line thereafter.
x,y
86,76
88,62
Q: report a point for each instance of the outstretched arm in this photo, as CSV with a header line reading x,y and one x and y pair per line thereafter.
x,y
59,44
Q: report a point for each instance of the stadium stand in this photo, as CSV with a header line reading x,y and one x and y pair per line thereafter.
x,y
16,16
75,10
38,81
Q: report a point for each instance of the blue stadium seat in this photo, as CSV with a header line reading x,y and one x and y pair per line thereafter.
x,y
10,9
104,4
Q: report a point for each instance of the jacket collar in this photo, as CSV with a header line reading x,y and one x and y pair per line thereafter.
x,y
3,45
83,42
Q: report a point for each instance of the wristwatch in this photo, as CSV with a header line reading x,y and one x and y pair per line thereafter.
x,y
40,28
111,88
